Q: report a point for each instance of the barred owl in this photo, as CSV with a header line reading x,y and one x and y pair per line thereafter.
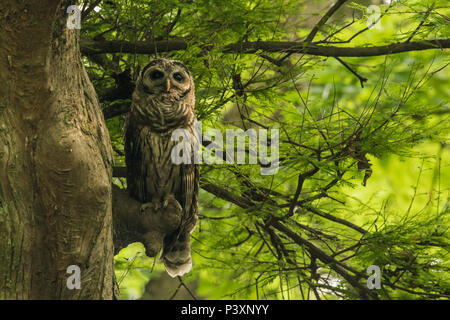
x,y
163,101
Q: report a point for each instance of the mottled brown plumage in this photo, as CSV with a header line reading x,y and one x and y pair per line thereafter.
x,y
163,101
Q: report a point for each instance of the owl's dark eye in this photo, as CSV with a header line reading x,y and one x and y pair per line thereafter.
x,y
155,75
178,76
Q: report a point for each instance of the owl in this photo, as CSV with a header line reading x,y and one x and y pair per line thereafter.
x,y
163,101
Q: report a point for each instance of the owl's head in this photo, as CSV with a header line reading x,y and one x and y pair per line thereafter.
x,y
164,96
163,77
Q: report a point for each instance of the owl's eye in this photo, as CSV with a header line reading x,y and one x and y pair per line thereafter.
x,y
178,76
155,75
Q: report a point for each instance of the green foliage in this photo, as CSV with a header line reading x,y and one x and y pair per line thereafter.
x,y
133,269
391,135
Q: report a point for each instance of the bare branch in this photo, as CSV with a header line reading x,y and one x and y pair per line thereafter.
x,y
89,47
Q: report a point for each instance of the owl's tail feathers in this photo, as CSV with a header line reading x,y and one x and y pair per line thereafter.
x,y
177,259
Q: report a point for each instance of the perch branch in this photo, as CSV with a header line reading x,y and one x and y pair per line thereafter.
x,y
137,222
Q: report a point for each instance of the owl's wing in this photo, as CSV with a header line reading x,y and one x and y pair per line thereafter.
x,y
190,174
187,195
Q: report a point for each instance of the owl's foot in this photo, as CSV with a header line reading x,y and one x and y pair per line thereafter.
x,y
162,216
147,208
170,202
170,213
158,219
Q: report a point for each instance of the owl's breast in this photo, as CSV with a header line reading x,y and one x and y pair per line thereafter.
x,y
163,113
160,175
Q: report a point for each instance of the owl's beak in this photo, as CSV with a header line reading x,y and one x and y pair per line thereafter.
x,y
167,85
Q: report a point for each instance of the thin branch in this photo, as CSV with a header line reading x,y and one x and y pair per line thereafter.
x,y
335,219
301,179
86,12
317,27
187,288
175,292
171,26
361,78
324,20
427,14
365,29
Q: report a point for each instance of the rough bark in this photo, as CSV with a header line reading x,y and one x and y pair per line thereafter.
x,y
55,160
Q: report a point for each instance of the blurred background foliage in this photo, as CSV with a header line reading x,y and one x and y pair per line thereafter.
x,y
375,159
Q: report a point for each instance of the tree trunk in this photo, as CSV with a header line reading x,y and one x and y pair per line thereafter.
x,y
55,160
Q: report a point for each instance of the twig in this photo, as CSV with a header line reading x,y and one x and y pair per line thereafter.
x,y
86,13
316,28
175,292
361,78
301,180
187,288
427,14
324,19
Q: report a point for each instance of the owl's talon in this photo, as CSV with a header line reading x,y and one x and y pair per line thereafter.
x,y
172,202
147,206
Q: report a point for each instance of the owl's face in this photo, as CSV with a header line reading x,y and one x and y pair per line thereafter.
x,y
162,77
